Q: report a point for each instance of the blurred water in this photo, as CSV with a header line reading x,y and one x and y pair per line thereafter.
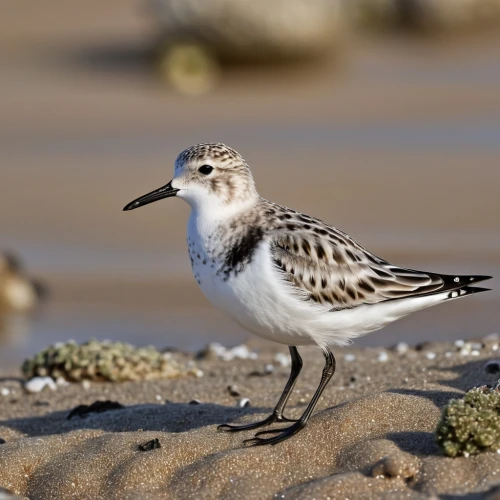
x,y
444,135
401,149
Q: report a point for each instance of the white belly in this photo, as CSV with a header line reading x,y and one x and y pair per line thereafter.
x,y
262,302
251,298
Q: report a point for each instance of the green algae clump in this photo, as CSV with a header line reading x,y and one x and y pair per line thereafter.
x,y
103,361
471,425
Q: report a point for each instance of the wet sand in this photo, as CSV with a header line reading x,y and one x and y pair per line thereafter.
x,y
371,437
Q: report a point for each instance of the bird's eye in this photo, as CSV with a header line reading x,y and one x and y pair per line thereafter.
x,y
205,169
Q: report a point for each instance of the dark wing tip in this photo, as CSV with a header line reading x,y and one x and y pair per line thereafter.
x,y
469,280
479,278
451,281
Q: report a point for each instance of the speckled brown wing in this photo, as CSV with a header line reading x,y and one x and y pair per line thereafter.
x,y
330,268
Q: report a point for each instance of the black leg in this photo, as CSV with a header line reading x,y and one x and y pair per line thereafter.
x,y
285,433
277,414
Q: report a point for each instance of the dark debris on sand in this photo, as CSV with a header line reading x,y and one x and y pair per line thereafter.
x,y
153,444
96,407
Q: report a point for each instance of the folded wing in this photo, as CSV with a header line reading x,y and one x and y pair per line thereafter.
x,y
327,266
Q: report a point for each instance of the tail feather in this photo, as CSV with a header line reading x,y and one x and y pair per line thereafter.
x,y
454,282
458,286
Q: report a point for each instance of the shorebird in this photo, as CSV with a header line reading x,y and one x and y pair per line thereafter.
x,y
286,276
18,292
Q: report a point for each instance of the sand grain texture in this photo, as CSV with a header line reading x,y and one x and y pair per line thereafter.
x,y
373,436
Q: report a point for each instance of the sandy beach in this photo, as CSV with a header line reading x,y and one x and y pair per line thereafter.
x,y
395,142
372,435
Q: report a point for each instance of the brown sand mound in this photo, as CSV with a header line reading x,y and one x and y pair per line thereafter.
x,y
353,449
203,463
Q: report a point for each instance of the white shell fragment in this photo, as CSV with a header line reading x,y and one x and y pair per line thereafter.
x,y
402,348
269,368
243,403
383,357
37,384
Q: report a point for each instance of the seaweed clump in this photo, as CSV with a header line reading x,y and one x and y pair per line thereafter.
x,y
471,425
103,361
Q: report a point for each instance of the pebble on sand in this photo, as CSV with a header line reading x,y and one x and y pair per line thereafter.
x,y
233,390
383,357
401,347
153,444
492,366
37,384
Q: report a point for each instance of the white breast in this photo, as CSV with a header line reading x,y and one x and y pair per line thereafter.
x,y
260,300
255,298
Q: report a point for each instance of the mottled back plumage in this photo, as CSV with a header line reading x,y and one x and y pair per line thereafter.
x,y
330,268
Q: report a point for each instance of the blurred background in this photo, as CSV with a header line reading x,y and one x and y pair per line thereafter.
x,y
381,117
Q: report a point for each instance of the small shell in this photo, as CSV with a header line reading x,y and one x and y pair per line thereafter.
x,y
37,384
383,357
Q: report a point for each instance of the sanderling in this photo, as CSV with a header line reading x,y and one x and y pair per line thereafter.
x,y
286,276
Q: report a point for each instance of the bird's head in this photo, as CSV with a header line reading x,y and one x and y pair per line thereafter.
x,y
209,177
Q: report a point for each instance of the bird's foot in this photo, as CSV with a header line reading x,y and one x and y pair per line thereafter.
x,y
282,434
247,427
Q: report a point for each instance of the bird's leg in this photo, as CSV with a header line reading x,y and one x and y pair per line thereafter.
x,y
285,433
277,414
287,391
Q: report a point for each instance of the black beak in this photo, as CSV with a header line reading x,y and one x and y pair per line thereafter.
x,y
164,192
